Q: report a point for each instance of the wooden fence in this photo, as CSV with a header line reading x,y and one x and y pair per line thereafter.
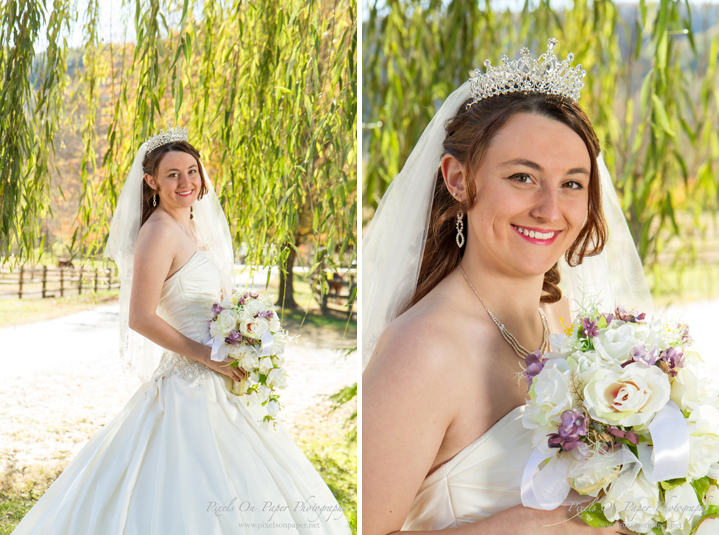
x,y
42,281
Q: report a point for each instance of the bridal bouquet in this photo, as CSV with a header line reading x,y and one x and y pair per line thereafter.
x,y
625,413
245,327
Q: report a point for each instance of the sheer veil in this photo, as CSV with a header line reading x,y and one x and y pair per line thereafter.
x,y
394,241
137,353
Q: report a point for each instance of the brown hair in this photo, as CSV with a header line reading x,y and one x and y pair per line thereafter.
x,y
150,165
469,134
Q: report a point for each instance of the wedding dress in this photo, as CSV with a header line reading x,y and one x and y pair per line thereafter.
x,y
186,456
482,479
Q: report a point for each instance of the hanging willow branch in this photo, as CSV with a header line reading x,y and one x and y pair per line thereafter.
x,y
267,91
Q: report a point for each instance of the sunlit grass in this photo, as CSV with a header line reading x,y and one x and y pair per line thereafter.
x,y
19,311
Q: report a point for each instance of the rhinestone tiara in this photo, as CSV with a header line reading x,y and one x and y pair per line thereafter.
x,y
545,74
169,136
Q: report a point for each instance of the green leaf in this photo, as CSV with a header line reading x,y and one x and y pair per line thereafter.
x,y
594,516
672,483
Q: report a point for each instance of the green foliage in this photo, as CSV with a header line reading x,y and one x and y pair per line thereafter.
x,y
266,89
649,92
594,516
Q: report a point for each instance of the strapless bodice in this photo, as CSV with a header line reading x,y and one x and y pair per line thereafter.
x,y
482,479
186,304
188,295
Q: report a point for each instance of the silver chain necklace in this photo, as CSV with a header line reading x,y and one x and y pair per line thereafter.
x,y
519,349
192,236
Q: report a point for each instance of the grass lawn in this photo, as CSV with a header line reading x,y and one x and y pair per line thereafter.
x,y
18,311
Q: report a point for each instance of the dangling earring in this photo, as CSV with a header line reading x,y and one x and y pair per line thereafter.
x,y
191,216
460,227
154,200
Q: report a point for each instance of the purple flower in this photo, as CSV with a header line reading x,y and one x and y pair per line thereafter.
x,y
674,359
574,424
640,353
622,314
216,309
590,328
535,363
608,317
234,338
266,314
631,436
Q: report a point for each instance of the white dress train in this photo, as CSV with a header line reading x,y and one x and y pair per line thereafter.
x,y
185,456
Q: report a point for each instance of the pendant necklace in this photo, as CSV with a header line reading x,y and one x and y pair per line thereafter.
x,y
519,349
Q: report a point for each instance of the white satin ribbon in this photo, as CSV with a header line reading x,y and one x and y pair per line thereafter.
x,y
670,436
552,480
219,354
216,344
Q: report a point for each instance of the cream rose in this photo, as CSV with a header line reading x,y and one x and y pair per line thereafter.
x,y
549,394
253,307
614,343
227,321
275,323
629,398
633,501
681,509
265,364
277,378
253,327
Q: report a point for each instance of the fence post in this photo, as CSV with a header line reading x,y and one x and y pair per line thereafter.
x,y
95,280
79,282
62,281
109,278
19,292
44,281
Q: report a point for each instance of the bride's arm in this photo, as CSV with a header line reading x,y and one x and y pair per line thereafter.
x,y
154,252
407,407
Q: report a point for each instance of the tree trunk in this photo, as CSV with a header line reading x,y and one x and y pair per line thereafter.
x,y
286,298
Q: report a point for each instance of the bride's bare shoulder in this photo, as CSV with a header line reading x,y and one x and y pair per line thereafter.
x,y
424,338
156,232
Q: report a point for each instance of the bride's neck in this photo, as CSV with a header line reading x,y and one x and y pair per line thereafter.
x,y
511,297
180,214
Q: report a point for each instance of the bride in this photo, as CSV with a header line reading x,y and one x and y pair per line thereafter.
x,y
184,456
504,196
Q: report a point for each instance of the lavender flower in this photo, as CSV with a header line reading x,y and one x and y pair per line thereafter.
x,y
608,317
574,425
216,309
535,363
640,353
267,314
590,328
234,338
631,436
672,359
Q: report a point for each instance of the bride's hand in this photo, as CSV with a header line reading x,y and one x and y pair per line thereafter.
x,y
224,368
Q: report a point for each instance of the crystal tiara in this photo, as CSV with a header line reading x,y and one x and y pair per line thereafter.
x,y
169,136
545,74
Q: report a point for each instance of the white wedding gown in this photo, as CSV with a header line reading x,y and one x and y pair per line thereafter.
x,y
482,479
185,456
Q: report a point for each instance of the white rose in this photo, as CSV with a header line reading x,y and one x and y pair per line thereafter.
x,y
272,408
681,509
249,361
253,327
633,501
549,395
709,526
253,307
712,496
265,365
703,424
585,363
217,331
629,398
255,377
692,388
596,469
227,321
614,344
278,359
275,323
265,393
278,378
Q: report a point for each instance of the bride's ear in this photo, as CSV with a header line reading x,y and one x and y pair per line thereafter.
x,y
150,181
453,174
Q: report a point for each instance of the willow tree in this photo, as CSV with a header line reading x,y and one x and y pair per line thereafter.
x,y
267,91
648,91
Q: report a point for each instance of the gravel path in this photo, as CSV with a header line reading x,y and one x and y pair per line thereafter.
x,y
61,380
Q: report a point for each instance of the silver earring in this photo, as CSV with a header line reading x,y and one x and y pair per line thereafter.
x,y
154,200
460,228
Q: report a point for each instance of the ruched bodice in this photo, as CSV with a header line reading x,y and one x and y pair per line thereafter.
x,y
188,295
482,479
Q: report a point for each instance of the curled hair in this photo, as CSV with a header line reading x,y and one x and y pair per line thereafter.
x,y
150,165
469,134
